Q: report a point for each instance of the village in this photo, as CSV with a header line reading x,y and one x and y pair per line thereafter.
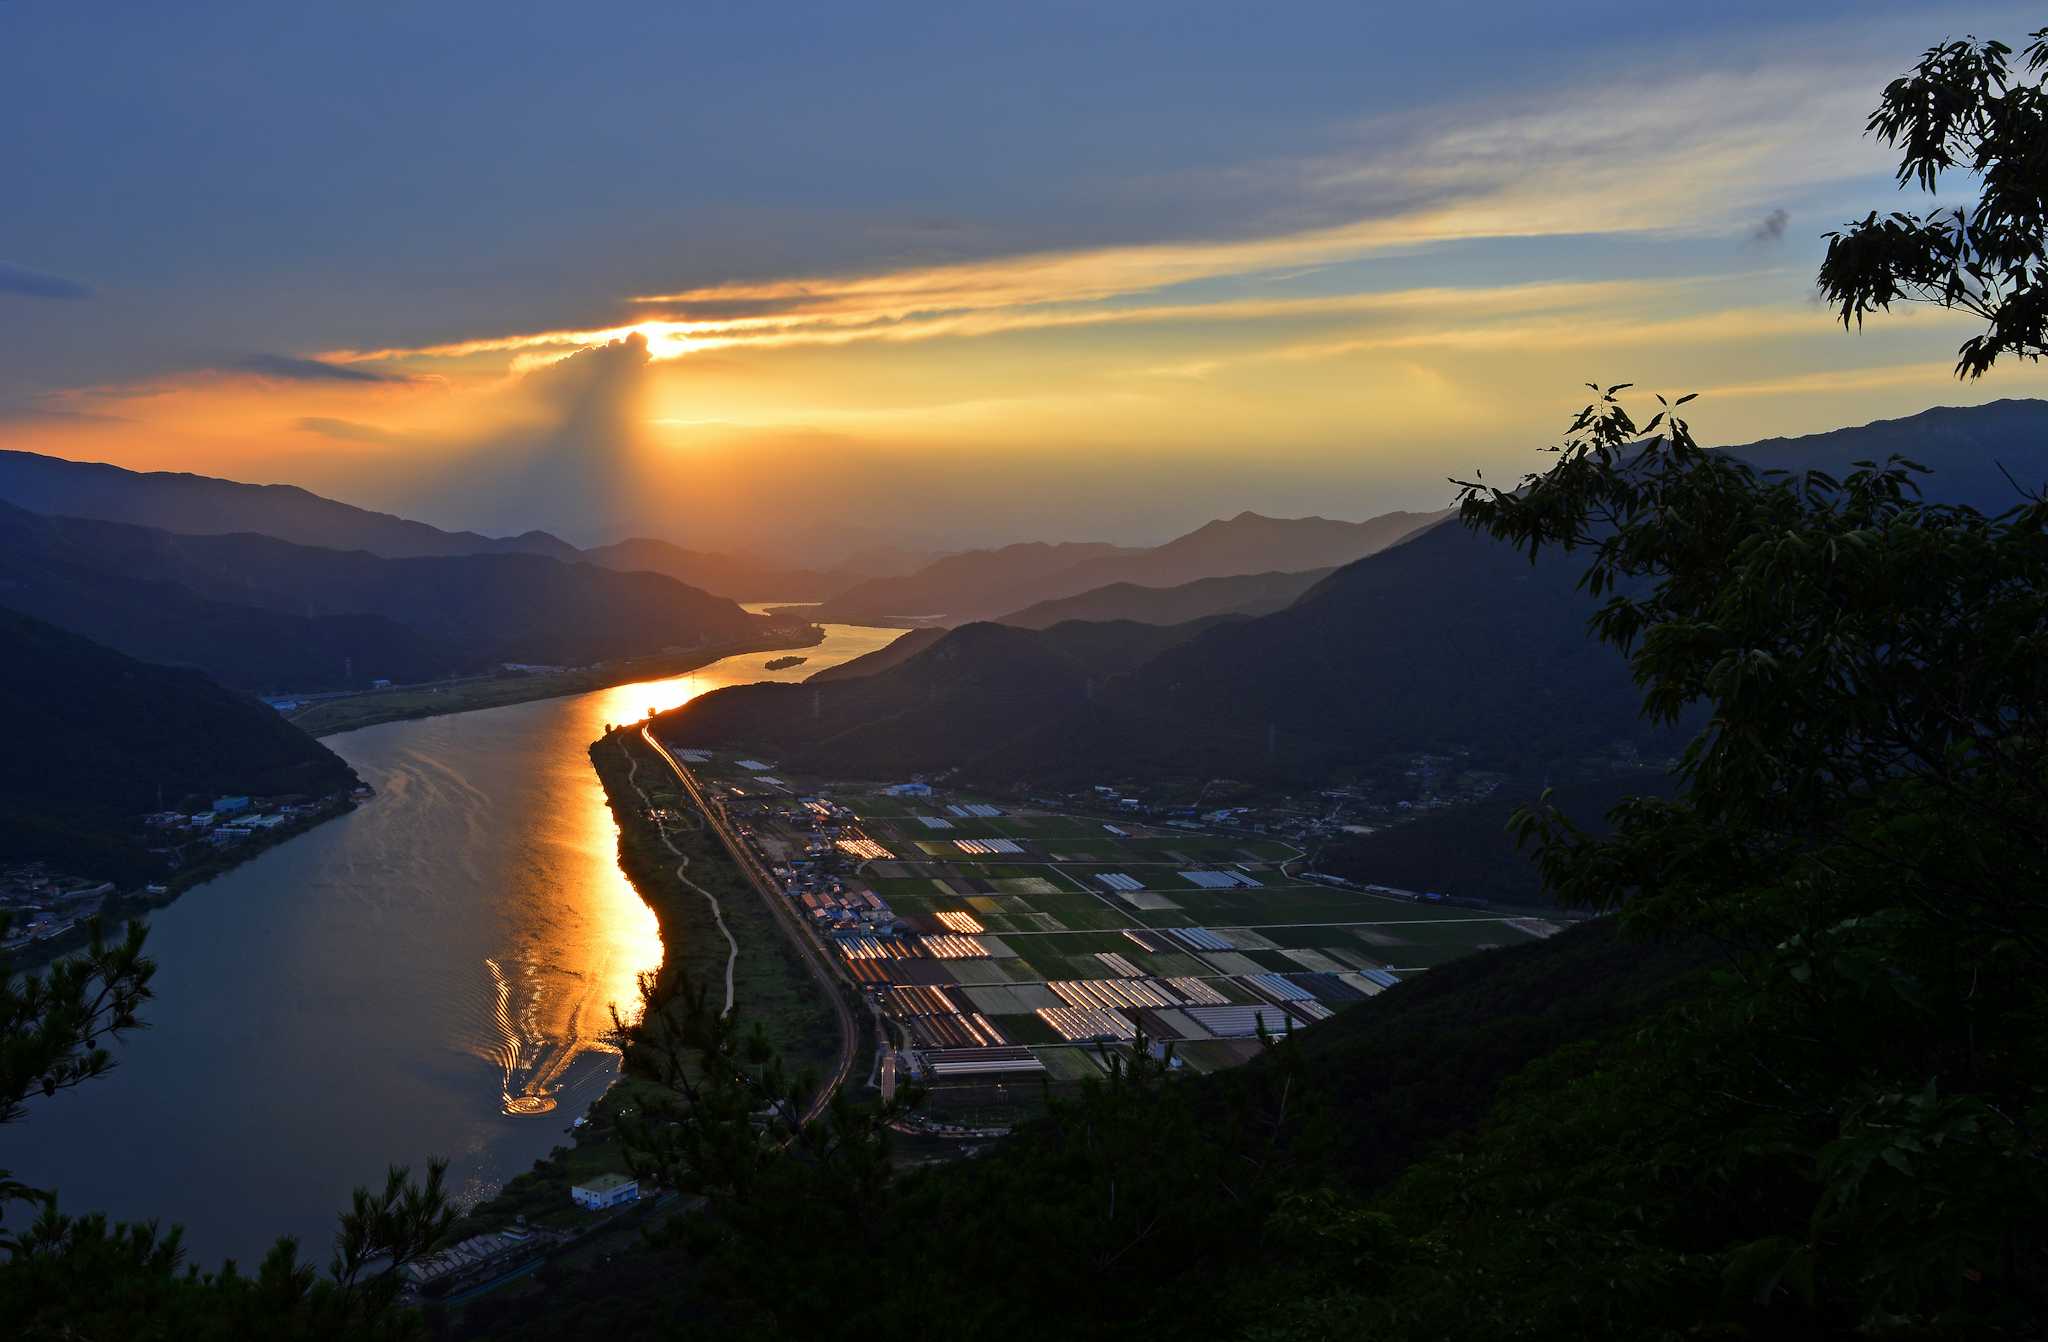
x,y
1014,949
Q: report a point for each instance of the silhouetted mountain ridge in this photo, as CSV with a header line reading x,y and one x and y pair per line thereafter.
x,y
992,584
1239,594
732,576
97,739
190,504
264,614
1445,640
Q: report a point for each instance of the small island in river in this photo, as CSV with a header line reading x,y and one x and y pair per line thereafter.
x,y
783,663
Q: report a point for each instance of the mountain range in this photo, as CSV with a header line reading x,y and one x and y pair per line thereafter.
x,y
1237,594
1445,640
199,505
202,505
263,614
727,575
993,584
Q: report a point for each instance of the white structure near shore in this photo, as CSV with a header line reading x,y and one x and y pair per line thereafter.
x,y
606,1190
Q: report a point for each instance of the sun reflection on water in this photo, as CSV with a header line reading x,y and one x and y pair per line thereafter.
x,y
555,997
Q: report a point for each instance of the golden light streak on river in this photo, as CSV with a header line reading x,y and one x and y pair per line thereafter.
x,y
430,975
555,1005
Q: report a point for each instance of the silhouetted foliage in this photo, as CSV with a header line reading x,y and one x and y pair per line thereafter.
x,y
1964,110
64,1277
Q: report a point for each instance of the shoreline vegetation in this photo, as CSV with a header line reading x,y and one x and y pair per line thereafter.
x,y
770,988
405,703
124,906
328,717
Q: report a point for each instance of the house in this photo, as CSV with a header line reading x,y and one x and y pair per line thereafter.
x,y
908,790
606,1190
229,805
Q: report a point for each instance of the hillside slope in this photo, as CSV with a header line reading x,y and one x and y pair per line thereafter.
x,y
957,587
912,642
1199,1213
990,584
1251,543
1446,640
204,505
97,739
729,576
234,604
1240,594
987,697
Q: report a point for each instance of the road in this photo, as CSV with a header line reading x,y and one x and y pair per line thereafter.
x,y
808,949
732,953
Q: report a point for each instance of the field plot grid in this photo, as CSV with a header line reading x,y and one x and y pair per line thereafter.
x,y
998,943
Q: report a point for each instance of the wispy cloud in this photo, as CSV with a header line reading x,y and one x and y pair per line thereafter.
x,y
22,282
289,368
1692,157
349,431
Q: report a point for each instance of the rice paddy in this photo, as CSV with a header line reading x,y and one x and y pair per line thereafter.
x,y
1020,931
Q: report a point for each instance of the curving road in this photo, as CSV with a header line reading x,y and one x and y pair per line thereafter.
x,y
807,946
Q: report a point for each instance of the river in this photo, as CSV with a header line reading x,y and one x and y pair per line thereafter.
x,y
429,975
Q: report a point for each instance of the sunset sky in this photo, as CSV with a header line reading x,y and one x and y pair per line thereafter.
x,y
778,276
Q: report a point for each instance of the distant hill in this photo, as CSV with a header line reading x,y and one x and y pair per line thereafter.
x,y
908,645
264,614
1970,448
1469,850
992,584
1250,543
1443,640
984,696
203,506
1446,639
97,739
721,574
962,586
886,561
1242,594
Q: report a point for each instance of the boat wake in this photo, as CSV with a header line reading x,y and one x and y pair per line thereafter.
x,y
531,1061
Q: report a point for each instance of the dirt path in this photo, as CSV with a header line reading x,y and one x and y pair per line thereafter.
x,y
808,950
732,954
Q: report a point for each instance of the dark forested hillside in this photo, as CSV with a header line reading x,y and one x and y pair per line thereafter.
x,y
202,505
959,587
1239,594
1470,849
1977,452
991,584
1449,639
97,739
264,614
1205,1173
985,696
902,649
1250,543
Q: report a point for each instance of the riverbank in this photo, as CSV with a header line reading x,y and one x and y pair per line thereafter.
x,y
123,906
715,931
409,702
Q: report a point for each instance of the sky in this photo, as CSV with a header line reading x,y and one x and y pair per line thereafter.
x,y
790,278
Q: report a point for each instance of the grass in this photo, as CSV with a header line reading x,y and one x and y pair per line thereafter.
x,y
329,716
770,984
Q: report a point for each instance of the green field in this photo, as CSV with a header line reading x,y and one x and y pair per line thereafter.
x,y
1054,918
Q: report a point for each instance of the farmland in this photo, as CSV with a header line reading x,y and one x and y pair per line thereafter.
x,y
1004,944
